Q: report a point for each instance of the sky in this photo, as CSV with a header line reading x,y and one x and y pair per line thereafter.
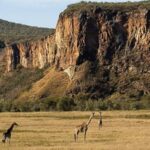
x,y
41,13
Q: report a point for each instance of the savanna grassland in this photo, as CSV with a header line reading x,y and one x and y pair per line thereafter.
x,y
122,130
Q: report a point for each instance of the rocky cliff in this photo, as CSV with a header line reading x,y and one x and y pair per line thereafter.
x,y
102,50
31,54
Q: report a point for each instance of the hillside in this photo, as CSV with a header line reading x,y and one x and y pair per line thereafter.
x,y
15,33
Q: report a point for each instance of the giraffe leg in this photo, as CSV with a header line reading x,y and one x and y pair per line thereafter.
x,y
101,125
4,140
85,135
75,137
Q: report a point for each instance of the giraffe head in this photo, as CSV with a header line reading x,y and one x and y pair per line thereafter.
x,y
15,124
93,113
100,112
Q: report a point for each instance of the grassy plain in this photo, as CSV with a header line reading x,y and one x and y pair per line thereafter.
x,y
122,130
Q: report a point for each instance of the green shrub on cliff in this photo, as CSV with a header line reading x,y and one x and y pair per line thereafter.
x,y
84,5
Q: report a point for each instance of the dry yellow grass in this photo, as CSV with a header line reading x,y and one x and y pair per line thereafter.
x,y
54,83
122,130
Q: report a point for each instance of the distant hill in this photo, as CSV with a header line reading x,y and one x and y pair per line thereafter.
x,y
14,32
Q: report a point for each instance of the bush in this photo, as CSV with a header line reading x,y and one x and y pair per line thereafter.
x,y
146,102
80,105
7,106
136,105
25,107
35,108
90,105
68,104
116,106
65,104
48,104
2,44
15,107
102,105
1,105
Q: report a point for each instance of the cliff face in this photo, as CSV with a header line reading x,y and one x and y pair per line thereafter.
x,y
102,50
34,54
3,62
110,49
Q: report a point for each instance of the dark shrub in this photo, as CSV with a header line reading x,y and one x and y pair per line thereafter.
x,y
102,105
65,104
90,105
47,104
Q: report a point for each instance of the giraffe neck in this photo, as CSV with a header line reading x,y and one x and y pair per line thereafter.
x,y
100,116
89,119
11,128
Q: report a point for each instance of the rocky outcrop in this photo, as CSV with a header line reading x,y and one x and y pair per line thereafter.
x,y
108,49
31,54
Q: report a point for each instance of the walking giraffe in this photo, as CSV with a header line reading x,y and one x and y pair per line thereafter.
x,y
7,134
83,128
100,122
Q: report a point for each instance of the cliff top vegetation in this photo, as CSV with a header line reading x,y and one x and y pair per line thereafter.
x,y
123,6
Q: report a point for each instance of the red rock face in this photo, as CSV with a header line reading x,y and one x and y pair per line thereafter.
x,y
66,39
116,45
34,54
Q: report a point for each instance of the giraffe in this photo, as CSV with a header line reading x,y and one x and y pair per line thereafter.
x,y
100,120
83,128
7,134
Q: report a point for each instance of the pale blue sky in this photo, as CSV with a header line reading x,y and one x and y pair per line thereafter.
x,y
42,13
